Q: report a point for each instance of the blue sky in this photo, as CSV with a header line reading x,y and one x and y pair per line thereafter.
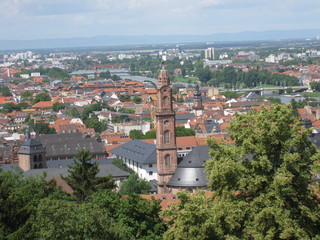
x,y
40,19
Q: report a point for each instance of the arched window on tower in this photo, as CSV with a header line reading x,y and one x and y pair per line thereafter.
x,y
167,160
35,166
40,158
165,100
166,136
35,158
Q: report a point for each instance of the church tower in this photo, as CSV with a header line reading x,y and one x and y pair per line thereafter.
x,y
166,133
197,102
31,154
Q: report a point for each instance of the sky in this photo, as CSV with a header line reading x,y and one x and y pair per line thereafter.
x,y
43,19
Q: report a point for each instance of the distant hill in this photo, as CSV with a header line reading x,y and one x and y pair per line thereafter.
x,y
155,39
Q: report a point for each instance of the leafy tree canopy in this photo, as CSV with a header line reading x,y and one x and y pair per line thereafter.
x,y
43,128
42,97
261,185
5,91
134,185
136,134
58,106
124,98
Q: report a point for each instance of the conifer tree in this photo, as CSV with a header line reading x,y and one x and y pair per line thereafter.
x,y
83,177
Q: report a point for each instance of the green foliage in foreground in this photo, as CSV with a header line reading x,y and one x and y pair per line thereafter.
x,y
134,185
33,208
83,178
261,184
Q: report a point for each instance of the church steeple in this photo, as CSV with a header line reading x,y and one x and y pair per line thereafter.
x,y
166,134
197,102
32,153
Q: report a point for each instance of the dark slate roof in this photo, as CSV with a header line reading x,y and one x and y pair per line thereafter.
x,y
190,171
31,145
315,139
137,151
183,117
203,98
189,177
196,158
253,96
69,144
60,167
210,124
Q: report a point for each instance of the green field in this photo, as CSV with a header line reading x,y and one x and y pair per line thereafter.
x,y
186,79
310,94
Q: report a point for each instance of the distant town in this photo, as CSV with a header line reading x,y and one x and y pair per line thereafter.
x,y
148,121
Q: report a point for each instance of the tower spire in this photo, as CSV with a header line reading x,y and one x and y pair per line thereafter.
x,y
166,134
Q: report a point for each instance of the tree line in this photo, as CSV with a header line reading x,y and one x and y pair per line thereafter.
x,y
229,77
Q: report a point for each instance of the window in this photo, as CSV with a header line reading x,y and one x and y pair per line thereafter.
x,y
166,137
35,159
188,148
150,173
179,148
167,160
150,165
165,100
166,122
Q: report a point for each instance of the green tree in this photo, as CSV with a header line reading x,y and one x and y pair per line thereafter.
x,y
10,107
26,96
5,91
83,178
124,98
127,110
57,106
74,113
204,74
19,198
96,125
136,99
23,105
150,134
134,185
57,219
315,86
139,216
289,90
261,185
42,97
43,128
274,100
121,119
182,132
89,109
136,134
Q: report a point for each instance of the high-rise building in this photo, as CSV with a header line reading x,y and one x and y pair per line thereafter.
x,y
166,134
209,53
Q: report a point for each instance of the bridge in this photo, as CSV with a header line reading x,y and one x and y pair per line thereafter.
x,y
269,89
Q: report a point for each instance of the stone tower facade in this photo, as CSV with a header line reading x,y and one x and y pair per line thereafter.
x,y
166,134
197,102
31,154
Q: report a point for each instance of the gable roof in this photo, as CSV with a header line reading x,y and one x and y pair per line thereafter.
x,y
138,151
